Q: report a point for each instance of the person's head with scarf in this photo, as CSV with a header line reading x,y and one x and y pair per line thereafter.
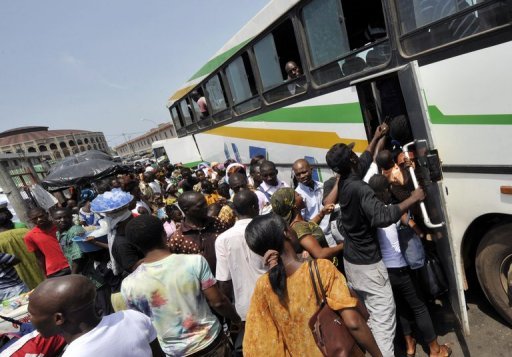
x,y
287,203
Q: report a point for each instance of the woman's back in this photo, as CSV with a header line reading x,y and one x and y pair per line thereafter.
x,y
275,330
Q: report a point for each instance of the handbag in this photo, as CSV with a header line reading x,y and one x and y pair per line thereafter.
x,y
432,276
411,247
329,331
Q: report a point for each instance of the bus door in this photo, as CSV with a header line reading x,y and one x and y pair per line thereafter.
x,y
395,97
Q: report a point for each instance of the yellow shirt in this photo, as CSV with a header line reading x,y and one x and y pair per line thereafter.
x,y
272,330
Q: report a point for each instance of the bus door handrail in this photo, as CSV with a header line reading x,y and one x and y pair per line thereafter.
x,y
426,218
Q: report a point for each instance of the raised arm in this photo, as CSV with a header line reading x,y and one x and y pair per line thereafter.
x,y
309,243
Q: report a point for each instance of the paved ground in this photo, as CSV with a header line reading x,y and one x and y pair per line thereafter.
x,y
490,335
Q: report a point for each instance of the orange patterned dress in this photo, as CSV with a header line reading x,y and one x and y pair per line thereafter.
x,y
274,330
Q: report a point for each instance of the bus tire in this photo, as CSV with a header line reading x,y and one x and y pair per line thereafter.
x,y
493,259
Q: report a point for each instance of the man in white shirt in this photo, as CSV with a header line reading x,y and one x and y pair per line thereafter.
x,y
312,195
149,177
270,182
237,266
65,306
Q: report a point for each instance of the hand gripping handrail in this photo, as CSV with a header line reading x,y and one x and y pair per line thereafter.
x,y
423,208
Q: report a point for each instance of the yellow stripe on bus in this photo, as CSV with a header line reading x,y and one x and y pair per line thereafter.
x,y
315,139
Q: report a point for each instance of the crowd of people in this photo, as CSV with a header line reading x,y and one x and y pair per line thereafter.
x,y
170,261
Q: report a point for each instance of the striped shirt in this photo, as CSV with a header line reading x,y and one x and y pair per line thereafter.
x,y
8,275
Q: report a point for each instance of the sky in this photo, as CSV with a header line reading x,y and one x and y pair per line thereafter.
x,y
103,65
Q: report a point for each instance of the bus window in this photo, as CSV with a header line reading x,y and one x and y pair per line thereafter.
x,y
273,53
178,121
186,111
215,93
242,85
323,23
344,37
428,25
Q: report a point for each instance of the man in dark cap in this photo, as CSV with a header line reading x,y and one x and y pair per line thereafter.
x,y
65,306
361,214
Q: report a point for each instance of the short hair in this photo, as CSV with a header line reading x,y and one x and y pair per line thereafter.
x,y
33,212
244,202
67,210
145,232
384,159
5,220
379,183
237,176
267,165
186,198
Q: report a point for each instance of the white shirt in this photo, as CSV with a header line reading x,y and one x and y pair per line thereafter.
x,y
270,190
125,333
390,247
140,204
236,262
155,186
313,198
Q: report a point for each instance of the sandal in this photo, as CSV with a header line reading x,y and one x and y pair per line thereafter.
x,y
446,349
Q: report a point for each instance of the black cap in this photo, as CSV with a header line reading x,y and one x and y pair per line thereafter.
x,y
338,157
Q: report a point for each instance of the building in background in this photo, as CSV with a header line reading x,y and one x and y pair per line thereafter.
x,y
142,144
50,144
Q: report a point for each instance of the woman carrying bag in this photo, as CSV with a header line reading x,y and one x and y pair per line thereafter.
x,y
284,299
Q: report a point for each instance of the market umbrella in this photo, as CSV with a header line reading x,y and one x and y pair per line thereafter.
x,y
80,169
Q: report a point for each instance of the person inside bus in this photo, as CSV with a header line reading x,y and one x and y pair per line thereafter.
x,y
201,103
361,214
289,204
407,295
270,182
293,71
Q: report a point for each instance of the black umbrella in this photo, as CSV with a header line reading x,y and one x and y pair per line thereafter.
x,y
80,169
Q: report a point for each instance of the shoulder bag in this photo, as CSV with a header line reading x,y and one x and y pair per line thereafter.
x,y
329,331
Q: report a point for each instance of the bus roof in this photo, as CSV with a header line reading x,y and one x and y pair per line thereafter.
x,y
264,18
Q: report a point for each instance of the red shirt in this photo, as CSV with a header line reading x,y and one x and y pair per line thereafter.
x,y
46,243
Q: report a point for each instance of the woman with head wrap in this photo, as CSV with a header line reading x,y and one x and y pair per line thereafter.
x,y
288,204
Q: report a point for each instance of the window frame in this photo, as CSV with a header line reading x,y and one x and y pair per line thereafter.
x,y
470,9
369,70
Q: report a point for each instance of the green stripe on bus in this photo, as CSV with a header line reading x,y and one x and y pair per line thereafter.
x,y
437,117
332,113
217,61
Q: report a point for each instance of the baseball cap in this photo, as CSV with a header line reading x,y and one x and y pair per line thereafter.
x,y
338,157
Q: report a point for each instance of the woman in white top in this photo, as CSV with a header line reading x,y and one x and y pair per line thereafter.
x,y
407,297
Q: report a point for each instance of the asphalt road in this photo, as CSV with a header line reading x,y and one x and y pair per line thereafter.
x,y
490,335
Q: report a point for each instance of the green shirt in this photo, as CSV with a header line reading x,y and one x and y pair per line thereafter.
x,y
310,228
69,248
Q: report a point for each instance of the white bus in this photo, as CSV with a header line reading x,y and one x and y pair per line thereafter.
x,y
177,150
444,65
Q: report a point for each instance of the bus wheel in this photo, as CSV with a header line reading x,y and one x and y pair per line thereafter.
x,y
494,268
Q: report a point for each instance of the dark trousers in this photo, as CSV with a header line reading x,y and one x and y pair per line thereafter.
x,y
237,348
408,299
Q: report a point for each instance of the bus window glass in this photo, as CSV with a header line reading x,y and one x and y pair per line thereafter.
x,y
240,79
197,112
215,94
325,31
443,22
242,85
345,38
418,13
186,112
178,123
268,62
